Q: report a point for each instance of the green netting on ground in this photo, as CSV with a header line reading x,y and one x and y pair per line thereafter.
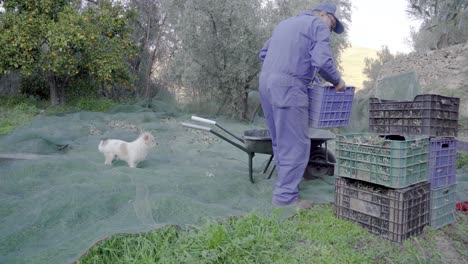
x,y
399,87
55,207
462,184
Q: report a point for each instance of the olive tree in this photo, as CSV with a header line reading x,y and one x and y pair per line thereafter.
x,y
54,39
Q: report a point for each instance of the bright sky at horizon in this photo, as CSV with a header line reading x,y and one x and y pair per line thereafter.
x,y
376,23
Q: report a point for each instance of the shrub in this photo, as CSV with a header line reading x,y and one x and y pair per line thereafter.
x,y
95,105
462,160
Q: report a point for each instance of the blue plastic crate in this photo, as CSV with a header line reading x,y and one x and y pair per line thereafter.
x,y
442,162
328,108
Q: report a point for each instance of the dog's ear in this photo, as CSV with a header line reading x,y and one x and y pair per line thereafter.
x,y
146,137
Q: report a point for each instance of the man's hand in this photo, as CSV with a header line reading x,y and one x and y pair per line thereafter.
x,y
340,86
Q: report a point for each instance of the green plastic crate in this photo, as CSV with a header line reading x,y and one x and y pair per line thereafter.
x,y
391,161
443,206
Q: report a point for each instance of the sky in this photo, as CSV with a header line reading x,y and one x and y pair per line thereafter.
x,y
381,22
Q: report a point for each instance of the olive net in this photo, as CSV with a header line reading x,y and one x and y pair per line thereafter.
x,y
58,198
399,87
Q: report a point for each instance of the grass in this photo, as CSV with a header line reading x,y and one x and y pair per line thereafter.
x,y
310,236
15,115
20,110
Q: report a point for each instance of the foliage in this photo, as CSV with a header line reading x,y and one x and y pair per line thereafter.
x,y
16,111
95,105
12,101
462,160
373,66
217,58
218,52
20,110
35,85
442,11
54,39
152,31
83,87
445,23
128,48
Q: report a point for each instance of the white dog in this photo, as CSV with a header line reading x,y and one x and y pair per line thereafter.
x,y
132,152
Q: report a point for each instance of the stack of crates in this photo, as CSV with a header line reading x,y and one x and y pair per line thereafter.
x,y
442,175
435,116
382,183
386,178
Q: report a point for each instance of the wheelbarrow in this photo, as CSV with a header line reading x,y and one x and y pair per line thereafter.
x,y
258,141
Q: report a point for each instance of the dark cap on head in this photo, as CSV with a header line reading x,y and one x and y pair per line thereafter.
x,y
330,8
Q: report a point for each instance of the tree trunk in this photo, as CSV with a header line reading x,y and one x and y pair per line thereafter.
x,y
149,71
152,58
245,102
223,105
62,93
60,85
54,100
245,98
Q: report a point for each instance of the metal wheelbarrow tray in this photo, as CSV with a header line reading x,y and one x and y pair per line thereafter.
x,y
321,161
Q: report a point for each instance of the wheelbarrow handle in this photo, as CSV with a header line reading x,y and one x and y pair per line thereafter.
x,y
196,126
217,134
204,120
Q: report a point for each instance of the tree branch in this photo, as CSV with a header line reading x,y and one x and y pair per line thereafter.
x,y
96,2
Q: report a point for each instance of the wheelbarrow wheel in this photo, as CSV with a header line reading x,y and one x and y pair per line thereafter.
x,y
314,171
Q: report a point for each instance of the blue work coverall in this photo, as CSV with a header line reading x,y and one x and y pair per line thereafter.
x,y
299,48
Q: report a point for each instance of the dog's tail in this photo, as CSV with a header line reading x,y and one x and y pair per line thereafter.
x,y
101,145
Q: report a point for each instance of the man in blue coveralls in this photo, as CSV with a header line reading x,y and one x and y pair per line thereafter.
x,y
298,49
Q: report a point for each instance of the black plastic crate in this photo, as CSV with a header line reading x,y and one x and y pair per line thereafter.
x,y
393,214
428,114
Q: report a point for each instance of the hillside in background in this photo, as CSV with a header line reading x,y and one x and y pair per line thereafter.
x,y
352,61
442,72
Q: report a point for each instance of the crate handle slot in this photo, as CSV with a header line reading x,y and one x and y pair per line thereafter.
x,y
421,192
414,146
445,145
446,102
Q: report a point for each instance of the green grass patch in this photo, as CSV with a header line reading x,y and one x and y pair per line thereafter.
x,y
5,129
94,104
462,160
458,234
20,110
16,111
310,236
